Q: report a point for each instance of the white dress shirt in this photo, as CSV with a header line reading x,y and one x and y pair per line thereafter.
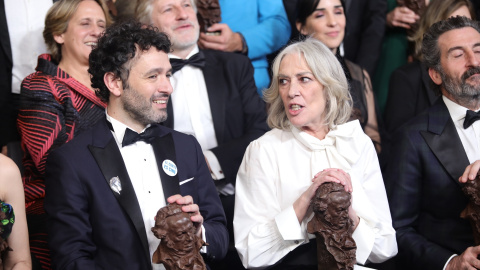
x,y
470,137
191,108
278,167
25,20
142,169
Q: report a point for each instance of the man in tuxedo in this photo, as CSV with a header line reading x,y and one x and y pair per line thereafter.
x,y
432,151
104,188
214,95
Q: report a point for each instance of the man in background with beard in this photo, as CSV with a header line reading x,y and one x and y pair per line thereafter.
x,y
434,150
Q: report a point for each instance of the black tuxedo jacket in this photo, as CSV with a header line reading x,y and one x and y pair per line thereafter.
x,y
238,113
364,32
93,227
410,93
424,193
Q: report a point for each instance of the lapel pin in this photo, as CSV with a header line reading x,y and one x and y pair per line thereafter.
x,y
169,167
115,184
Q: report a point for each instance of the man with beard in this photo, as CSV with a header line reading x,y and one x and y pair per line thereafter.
x,y
103,188
433,152
214,96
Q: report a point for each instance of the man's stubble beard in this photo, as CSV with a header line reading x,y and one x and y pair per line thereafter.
x,y
134,104
463,92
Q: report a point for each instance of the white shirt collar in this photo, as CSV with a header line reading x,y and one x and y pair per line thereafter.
x,y
194,51
457,112
119,128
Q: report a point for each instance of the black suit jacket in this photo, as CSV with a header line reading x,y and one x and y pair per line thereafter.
x,y
238,113
93,227
364,32
424,193
410,93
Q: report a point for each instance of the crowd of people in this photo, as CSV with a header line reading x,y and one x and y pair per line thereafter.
x,y
132,106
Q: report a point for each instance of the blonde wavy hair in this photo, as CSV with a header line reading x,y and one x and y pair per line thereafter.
x,y
327,70
57,19
437,10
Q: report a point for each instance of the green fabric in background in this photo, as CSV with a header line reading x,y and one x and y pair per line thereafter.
x,y
392,56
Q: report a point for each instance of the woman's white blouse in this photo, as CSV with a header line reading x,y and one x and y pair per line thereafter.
x,y
278,167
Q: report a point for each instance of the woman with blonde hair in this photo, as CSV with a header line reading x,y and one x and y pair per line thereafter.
x,y
311,142
436,11
57,102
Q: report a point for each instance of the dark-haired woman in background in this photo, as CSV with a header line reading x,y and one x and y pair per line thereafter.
x,y
325,20
57,101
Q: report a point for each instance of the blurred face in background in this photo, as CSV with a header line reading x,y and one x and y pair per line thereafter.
x,y
178,19
326,23
84,28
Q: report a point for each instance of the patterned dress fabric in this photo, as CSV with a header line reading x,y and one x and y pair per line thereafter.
x,y
54,108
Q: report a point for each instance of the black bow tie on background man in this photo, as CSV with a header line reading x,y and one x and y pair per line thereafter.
x,y
470,118
197,60
147,136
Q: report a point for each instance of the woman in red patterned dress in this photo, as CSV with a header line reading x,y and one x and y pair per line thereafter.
x,y
57,102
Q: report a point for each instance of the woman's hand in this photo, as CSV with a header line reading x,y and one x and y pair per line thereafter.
x,y
401,17
302,204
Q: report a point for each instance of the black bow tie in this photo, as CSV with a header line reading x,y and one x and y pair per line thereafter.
x,y
470,118
147,136
197,60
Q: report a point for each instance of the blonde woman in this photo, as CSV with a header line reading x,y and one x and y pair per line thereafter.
x,y
310,143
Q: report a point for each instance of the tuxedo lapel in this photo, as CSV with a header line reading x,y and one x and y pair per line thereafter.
x,y
110,162
443,140
164,150
217,91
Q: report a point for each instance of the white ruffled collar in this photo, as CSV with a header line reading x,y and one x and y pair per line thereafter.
x,y
342,145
